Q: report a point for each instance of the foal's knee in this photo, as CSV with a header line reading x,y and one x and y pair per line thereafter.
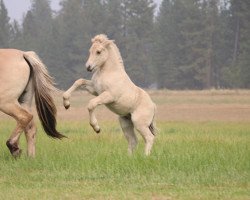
x,y
79,82
65,96
91,106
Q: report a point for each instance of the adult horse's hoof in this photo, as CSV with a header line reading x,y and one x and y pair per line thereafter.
x,y
17,153
14,149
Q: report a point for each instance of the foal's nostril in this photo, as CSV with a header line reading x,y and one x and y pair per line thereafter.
x,y
89,68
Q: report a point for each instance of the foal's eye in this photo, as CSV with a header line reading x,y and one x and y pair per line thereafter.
x,y
98,52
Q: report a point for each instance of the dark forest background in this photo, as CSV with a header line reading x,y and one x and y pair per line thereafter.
x,y
187,44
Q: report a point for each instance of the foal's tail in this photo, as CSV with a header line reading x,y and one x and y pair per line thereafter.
x,y
152,127
43,86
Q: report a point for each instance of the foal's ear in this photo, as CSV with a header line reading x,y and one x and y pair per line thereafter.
x,y
107,43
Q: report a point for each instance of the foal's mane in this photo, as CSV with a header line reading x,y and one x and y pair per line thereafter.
x,y
103,39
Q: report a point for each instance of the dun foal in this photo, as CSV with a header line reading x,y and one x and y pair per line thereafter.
x,y
22,75
113,88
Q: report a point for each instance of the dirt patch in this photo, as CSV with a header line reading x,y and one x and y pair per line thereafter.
x,y
224,105
196,112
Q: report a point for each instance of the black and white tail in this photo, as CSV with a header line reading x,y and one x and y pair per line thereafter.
x,y
43,87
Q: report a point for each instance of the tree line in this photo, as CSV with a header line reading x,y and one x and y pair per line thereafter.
x,y
186,44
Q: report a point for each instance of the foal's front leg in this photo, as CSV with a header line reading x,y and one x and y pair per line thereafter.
x,y
103,98
67,94
80,82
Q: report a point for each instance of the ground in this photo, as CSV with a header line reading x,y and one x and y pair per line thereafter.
x,y
201,152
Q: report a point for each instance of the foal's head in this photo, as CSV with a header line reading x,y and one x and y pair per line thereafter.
x,y
98,53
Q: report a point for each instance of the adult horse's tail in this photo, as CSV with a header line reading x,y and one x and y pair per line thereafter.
x,y
43,86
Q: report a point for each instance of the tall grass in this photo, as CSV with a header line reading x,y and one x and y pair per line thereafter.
x,y
189,161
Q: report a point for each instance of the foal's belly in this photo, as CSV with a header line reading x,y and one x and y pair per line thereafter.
x,y
119,109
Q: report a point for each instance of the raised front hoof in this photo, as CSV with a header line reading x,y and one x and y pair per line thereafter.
x,y
66,103
66,107
14,149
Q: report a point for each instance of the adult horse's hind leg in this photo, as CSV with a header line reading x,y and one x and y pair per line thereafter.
x,y
30,133
23,118
128,130
30,130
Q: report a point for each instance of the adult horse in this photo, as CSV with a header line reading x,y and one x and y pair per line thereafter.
x,y
22,74
112,87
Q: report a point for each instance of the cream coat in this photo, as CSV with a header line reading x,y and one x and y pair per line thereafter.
x,y
113,88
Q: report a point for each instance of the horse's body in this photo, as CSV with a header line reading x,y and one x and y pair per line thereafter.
x,y
113,88
23,75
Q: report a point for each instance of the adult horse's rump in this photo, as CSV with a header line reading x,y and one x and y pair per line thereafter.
x,y
22,75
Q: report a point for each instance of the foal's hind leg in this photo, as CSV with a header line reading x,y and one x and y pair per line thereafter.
x,y
128,130
142,120
23,118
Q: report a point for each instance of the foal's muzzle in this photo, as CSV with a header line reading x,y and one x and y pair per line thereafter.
x,y
89,68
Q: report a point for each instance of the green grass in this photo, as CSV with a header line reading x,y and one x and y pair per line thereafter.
x,y
189,161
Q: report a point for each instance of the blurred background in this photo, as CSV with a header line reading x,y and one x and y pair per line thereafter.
x,y
173,44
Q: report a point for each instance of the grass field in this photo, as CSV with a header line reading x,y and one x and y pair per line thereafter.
x,y
201,152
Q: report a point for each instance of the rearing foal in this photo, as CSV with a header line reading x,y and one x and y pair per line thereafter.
x,y
112,87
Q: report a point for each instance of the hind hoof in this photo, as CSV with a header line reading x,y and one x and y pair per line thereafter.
x,y
17,153
98,131
14,149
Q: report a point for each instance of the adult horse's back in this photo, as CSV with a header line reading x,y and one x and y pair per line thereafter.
x,y
23,75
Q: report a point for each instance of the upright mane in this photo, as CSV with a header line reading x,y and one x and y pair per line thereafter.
x,y
100,38
104,40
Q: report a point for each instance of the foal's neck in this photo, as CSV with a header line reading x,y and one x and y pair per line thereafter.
x,y
114,61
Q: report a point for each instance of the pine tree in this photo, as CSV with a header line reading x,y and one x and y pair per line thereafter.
x,y
16,35
223,48
211,10
185,54
29,32
113,19
167,54
241,27
138,17
191,45
69,39
5,26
